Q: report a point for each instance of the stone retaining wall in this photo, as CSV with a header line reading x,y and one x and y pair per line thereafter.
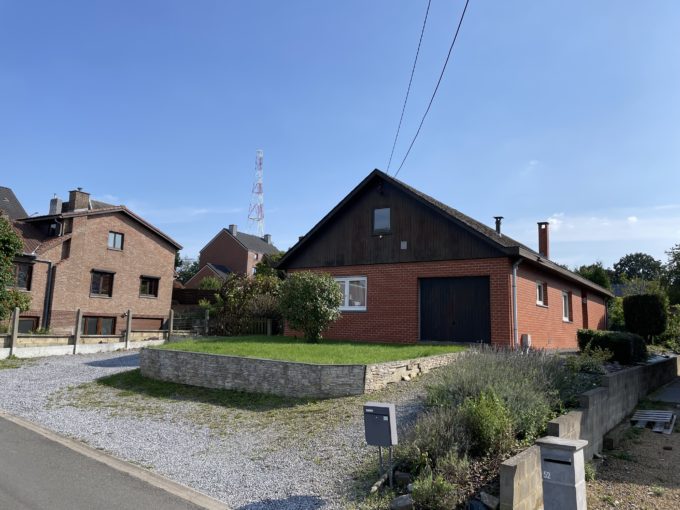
x,y
282,378
601,409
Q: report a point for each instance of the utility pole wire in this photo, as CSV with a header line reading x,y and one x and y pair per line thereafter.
x,y
455,37
408,90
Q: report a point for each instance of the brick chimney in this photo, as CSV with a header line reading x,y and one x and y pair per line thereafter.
x,y
544,239
233,229
268,238
78,200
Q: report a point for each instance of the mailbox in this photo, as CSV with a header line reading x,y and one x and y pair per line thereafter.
x,y
380,424
563,472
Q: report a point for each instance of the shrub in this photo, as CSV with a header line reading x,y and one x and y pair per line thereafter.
x,y
310,302
488,424
210,283
433,492
454,468
591,360
590,471
626,348
615,319
645,314
437,433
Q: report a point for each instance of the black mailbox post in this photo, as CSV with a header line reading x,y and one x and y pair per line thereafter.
x,y
380,427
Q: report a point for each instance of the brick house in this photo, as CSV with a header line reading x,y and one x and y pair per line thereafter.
x,y
412,268
231,251
93,256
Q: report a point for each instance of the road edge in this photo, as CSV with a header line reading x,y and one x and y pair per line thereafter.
x,y
158,481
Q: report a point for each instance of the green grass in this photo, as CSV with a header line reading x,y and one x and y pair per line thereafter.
x,y
328,352
11,363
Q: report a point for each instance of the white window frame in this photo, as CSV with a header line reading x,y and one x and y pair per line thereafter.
x,y
566,306
543,289
344,280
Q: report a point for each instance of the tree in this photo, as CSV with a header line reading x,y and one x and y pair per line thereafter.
x,y
596,273
637,265
267,266
310,302
210,283
187,269
646,314
10,247
672,274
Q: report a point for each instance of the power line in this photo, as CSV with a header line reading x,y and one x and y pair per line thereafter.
x,y
455,37
408,90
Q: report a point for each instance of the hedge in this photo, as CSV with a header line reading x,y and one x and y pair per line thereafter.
x,y
627,348
645,314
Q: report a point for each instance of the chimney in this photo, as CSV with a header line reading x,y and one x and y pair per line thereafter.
x,y
55,205
78,200
268,238
498,219
233,229
543,239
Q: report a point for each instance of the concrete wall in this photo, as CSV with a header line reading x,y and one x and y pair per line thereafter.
x,y
601,409
282,378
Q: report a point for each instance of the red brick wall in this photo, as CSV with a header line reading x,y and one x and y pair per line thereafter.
x,y
392,313
144,253
195,281
226,251
544,323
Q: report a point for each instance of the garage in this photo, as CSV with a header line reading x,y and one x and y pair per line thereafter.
x,y
455,309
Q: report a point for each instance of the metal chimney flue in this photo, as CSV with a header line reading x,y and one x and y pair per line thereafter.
x,y
498,219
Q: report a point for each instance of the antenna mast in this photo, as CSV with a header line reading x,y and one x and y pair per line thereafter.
x,y
256,211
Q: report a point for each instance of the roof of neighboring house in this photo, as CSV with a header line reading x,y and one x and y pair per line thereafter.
x,y
219,269
10,205
508,245
248,241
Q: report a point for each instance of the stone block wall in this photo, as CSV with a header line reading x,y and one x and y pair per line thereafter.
x,y
380,375
601,409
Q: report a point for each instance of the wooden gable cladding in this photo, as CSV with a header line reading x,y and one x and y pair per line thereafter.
x,y
347,237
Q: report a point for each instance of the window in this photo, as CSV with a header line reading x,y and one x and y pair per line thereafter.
x,y
28,324
98,326
353,290
23,274
53,229
66,249
148,286
542,293
381,220
102,284
566,307
115,241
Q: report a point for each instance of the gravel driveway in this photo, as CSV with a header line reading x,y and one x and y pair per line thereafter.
x,y
294,457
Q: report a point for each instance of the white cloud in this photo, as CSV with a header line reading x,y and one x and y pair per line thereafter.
x,y
530,168
632,220
556,221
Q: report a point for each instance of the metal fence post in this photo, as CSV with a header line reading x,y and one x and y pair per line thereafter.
x,y
269,327
79,325
128,328
15,331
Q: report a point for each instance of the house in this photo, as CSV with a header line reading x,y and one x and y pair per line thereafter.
x,y
231,251
100,258
413,269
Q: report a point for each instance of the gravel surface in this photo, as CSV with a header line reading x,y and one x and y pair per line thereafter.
x,y
292,457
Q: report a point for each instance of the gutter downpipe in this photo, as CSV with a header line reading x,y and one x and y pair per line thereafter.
x,y
47,303
515,329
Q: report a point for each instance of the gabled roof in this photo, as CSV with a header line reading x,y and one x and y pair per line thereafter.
x,y
507,245
248,241
106,209
218,270
10,204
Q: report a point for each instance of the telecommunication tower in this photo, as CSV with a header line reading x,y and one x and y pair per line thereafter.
x,y
256,210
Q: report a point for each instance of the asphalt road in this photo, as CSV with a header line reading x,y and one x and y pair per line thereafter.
x,y
39,474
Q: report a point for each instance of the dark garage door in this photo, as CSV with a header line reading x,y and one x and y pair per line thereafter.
x,y
455,309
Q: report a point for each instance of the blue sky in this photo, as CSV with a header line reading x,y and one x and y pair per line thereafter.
x,y
560,110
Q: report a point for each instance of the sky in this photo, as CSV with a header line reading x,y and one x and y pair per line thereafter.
x,y
566,111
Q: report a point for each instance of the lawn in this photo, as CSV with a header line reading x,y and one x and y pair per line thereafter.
x,y
328,352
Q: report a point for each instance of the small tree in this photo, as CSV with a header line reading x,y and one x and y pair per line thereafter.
x,y
310,302
596,273
210,283
10,247
645,314
267,266
186,269
637,265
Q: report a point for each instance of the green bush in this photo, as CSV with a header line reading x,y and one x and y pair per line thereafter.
x,y
671,337
433,492
210,283
646,314
488,424
615,319
626,348
437,433
310,302
454,468
591,360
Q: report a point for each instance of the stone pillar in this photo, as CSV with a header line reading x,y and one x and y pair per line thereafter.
x,y
78,332
171,323
207,322
15,331
563,470
128,328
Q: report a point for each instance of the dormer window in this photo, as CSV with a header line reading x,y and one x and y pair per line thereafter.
x,y
53,229
381,221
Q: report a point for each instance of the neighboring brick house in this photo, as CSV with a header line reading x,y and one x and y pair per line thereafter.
x,y
231,251
412,268
96,257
